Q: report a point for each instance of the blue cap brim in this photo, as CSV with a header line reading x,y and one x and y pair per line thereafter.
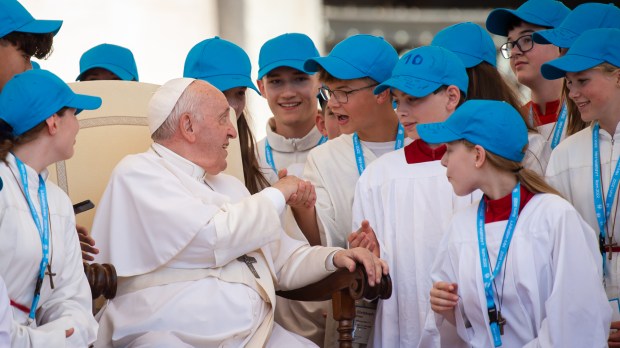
x,y
556,37
39,26
410,85
291,63
226,82
558,68
83,102
122,73
436,133
336,67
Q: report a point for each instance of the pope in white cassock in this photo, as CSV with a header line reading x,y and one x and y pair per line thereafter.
x,y
198,258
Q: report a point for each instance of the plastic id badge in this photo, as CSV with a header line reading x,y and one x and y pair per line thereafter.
x,y
615,309
364,321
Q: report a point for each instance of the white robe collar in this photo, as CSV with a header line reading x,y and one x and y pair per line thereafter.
x,y
282,144
185,165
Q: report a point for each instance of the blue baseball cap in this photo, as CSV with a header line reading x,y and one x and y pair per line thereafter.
x,y
356,57
33,96
423,70
221,63
469,41
291,50
118,60
544,13
495,125
584,17
14,17
593,47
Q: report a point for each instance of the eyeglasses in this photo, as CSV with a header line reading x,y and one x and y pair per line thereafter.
x,y
524,43
340,95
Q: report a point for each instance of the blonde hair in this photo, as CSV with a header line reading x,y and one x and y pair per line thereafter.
x,y
528,178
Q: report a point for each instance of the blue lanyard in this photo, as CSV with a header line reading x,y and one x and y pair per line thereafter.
x,y
559,125
359,152
602,216
487,275
42,227
269,152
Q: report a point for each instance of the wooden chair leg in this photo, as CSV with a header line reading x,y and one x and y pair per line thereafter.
x,y
344,312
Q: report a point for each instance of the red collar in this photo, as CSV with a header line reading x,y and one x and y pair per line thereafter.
x,y
552,109
499,209
419,152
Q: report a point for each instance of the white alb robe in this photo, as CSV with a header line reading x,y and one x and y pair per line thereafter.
x,y
289,154
5,316
409,206
157,213
69,304
537,154
553,294
570,172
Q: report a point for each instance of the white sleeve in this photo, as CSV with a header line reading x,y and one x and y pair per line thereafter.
x,y
578,313
68,306
325,212
5,316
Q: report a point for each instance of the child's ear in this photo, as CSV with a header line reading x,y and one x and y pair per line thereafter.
x,y
384,97
52,124
454,97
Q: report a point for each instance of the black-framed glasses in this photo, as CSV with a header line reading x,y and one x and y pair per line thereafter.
x,y
340,95
524,43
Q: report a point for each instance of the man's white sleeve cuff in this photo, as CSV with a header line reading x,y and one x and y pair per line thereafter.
x,y
276,197
329,262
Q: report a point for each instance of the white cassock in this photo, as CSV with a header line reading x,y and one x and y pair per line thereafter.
x,y
570,172
289,154
552,293
332,170
304,318
5,316
175,240
69,304
409,206
537,154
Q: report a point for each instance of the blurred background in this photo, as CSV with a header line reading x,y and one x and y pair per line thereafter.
x,y
160,33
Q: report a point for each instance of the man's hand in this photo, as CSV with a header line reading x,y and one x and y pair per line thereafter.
x,y
87,244
614,337
375,267
365,237
303,195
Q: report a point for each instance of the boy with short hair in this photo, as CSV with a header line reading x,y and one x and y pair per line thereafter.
x,y
22,37
290,91
370,129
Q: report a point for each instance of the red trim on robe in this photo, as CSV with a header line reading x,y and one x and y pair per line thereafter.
x,y
21,307
552,109
419,152
499,209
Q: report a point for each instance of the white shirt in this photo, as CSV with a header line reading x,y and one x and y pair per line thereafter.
x,y
5,316
178,221
409,207
288,153
69,304
553,294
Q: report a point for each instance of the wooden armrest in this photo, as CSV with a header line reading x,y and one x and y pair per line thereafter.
x,y
102,279
343,288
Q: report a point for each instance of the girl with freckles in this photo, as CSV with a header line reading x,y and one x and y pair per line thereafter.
x,y
585,169
506,272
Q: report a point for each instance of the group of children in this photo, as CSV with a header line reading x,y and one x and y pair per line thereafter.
x,y
497,218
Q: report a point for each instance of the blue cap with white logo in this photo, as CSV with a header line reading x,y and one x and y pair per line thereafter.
x,y
33,96
423,70
469,41
290,50
356,57
593,47
14,17
544,13
495,125
584,17
221,63
117,59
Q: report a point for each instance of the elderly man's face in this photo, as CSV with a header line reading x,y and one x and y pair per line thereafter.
x,y
214,129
